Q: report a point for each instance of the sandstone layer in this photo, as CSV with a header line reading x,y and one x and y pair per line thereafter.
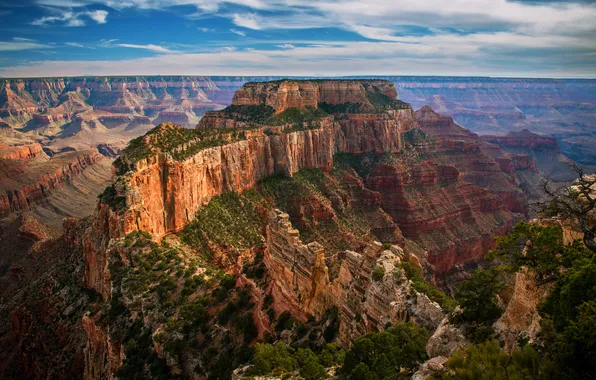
x,y
29,176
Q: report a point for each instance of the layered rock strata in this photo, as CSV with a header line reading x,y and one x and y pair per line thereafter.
x,y
302,286
285,94
26,183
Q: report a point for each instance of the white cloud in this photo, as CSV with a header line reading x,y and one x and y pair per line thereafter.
x,y
205,30
465,55
286,46
72,19
21,39
98,16
238,32
564,30
156,48
249,21
74,44
21,44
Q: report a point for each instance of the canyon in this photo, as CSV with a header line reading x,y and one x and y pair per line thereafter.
x,y
65,115
110,106
306,211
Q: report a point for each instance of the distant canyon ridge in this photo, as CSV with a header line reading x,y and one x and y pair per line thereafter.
x,y
64,114
59,136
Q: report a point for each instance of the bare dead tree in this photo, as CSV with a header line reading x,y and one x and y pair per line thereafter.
x,y
573,202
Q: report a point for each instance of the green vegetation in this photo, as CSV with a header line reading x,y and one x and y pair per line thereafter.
x,y
265,115
142,361
487,361
200,310
260,114
382,355
378,273
478,298
422,286
230,220
415,136
568,313
110,197
280,358
170,139
382,101
347,107
569,319
540,248
267,358
298,116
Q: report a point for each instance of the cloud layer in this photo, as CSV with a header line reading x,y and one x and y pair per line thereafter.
x,y
324,37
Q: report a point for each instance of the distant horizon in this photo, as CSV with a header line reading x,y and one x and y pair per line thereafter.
x,y
298,77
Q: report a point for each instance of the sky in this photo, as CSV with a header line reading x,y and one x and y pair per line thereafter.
x,y
522,38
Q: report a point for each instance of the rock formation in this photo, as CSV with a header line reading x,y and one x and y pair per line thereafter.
x,y
365,168
525,146
29,176
285,94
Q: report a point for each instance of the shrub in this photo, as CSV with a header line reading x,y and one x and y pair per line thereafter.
x,y
267,358
422,286
488,361
478,296
384,354
378,273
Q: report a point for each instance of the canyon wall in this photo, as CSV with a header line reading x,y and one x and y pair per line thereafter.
x,y
29,176
563,108
545,152
165,194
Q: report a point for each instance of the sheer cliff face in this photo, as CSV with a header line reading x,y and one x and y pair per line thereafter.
x,y
164,194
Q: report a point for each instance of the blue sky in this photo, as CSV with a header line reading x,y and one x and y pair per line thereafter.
x,y
290,37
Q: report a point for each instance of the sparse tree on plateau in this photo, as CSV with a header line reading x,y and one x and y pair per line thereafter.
x,y
573,203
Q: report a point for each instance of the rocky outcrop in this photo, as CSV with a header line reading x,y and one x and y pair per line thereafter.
x,y
102,355
431,368
302,286
285,94
21,152
521,319
446,340
301,277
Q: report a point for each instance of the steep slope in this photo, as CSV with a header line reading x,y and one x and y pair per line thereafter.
x,y
54,187
43,303
544,150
